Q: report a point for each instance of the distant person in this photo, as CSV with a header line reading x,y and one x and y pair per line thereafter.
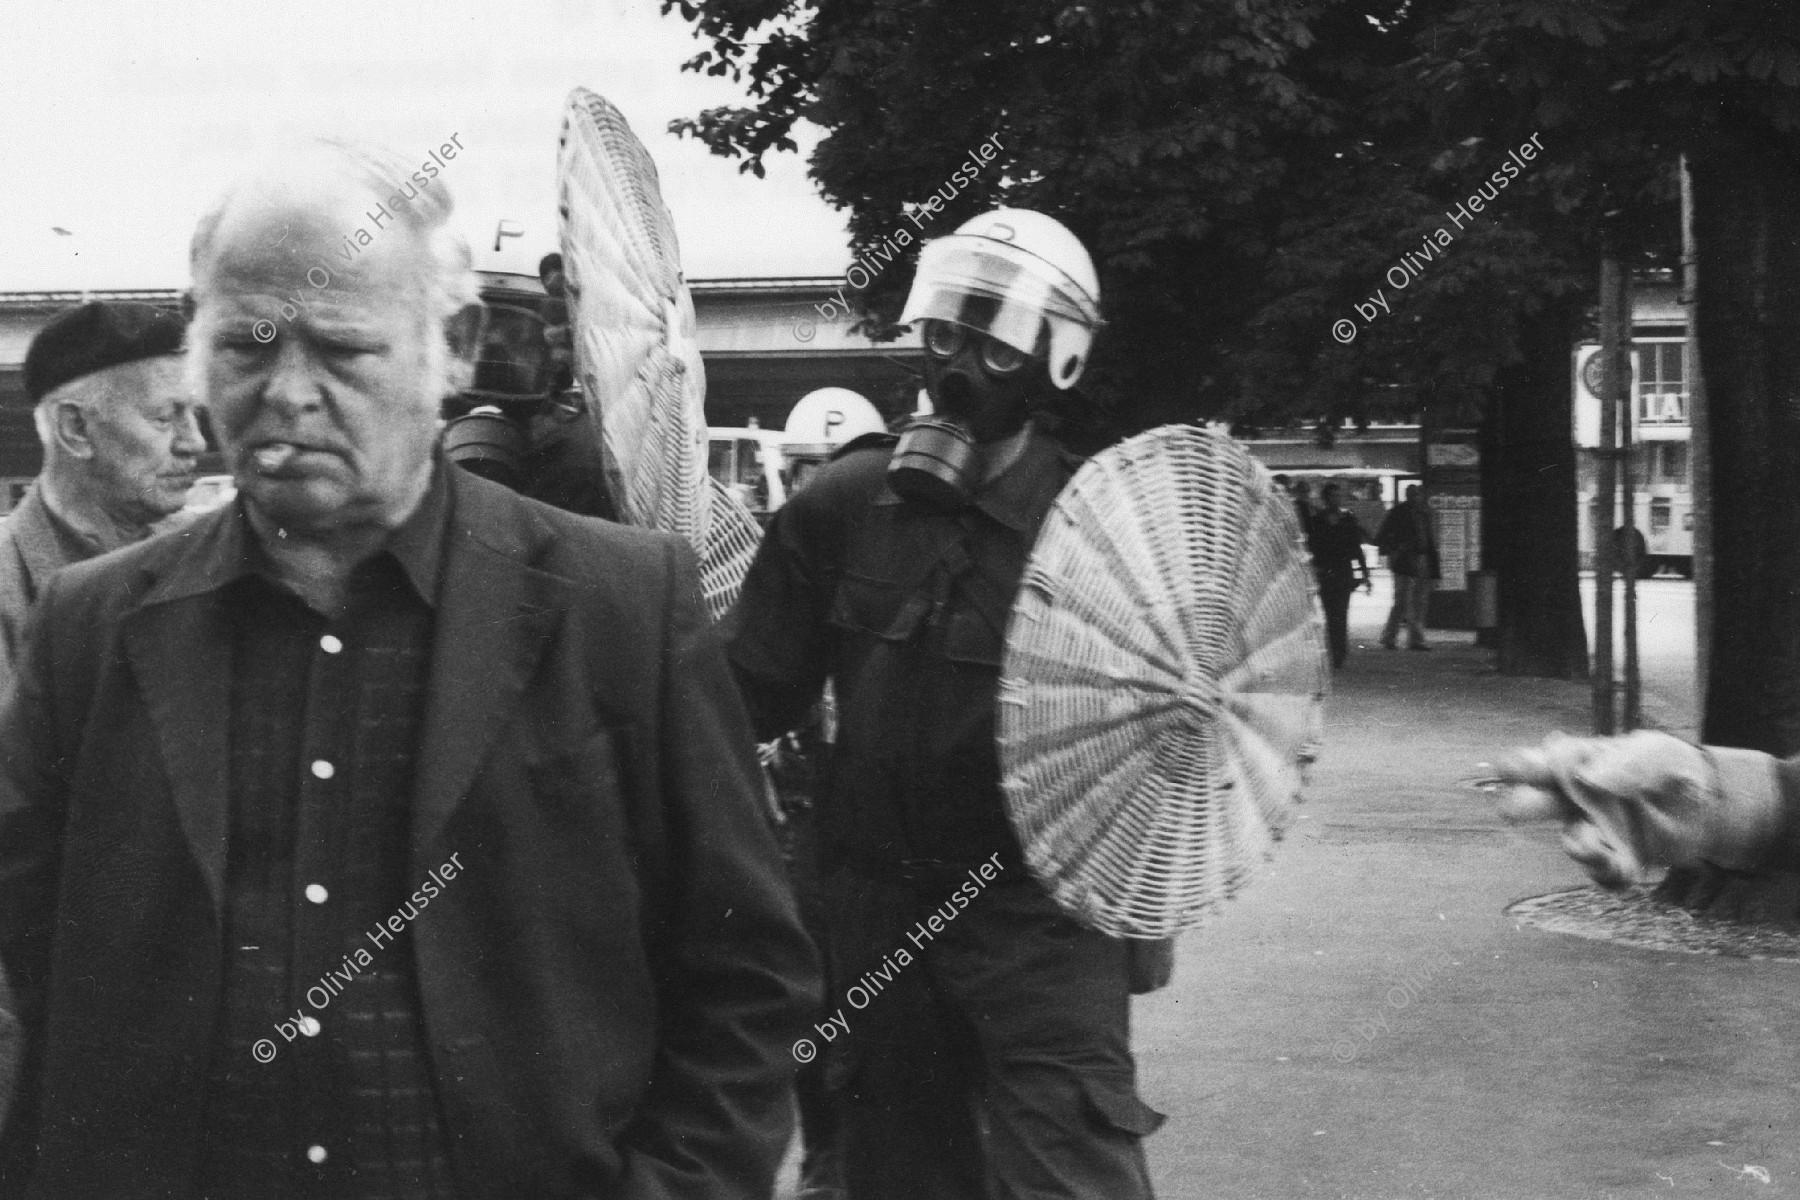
x,y
121,445
1336,543
1301,491
1406,540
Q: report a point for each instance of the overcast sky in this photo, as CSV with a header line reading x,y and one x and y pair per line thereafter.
x,y
120,121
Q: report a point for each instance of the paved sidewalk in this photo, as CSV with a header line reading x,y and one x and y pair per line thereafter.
x,y
1365,1022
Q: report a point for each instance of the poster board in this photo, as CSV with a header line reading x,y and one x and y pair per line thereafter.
x,y
1453,498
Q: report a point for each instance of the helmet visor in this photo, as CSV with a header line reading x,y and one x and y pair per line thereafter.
x,y
996,289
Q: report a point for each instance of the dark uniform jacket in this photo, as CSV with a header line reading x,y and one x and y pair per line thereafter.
x,y
609,987
906,609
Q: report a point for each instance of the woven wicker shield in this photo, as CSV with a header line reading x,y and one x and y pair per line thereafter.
x,y
732,536
632,322
1163,682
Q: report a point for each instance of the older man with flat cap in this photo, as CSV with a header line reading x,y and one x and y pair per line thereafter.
x,y
121,442
386,833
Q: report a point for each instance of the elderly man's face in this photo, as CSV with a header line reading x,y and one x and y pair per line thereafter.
x,y
327,407
141,427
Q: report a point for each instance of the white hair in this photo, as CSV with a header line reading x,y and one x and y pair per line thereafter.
x,y
423,211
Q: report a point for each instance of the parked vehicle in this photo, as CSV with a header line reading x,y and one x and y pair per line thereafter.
x,y
1368,492
749,463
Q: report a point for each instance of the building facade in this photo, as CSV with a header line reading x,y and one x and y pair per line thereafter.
x,y
1660,460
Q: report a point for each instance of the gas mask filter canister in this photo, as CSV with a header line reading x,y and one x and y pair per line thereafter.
x,y
935,464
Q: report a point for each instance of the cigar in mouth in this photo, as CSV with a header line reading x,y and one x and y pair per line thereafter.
x,y
274,456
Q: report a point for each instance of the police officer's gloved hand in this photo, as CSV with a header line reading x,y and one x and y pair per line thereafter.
x,y
1646,799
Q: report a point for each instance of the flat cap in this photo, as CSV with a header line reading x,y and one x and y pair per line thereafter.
x,y
94,336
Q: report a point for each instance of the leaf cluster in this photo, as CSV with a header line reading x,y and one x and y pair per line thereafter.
x,y
1246,171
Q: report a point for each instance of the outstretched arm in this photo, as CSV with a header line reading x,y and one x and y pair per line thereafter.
x,y
1648,799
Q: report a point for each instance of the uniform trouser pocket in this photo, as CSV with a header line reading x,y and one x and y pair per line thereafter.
x,y
1056,1133
1115,1105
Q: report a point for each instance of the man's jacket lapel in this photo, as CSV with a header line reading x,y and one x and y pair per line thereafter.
x,y
178,641
494,624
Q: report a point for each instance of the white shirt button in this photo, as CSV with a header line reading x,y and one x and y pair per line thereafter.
x,y
316,893
323,769
315,1154
310,1026
330,644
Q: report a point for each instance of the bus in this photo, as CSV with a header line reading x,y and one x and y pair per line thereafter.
x,y
1367,492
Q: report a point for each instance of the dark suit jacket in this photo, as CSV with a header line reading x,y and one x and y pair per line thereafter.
x,y
32,549
610,986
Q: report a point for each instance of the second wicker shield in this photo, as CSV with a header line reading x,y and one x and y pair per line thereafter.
x,y
1163,682
632,320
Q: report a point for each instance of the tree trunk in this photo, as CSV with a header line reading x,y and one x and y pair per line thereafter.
x,y
1746,225
1530,500
1746,221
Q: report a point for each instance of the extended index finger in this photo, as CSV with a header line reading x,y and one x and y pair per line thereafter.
x,y
1528,787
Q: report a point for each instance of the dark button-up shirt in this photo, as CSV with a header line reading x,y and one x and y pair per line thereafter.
x,y
905,609
320,1080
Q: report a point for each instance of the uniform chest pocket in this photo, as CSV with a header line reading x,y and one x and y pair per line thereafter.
x,y
883,609
971,636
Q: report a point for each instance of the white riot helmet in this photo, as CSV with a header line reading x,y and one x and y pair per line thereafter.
x,y
1019,277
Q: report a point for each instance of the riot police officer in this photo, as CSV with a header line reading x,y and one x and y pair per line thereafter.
x,y
979,1038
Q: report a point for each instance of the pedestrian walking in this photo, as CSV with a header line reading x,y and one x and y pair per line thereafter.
x,y
1336,544
1301,491
998,1062
384,833
1410,547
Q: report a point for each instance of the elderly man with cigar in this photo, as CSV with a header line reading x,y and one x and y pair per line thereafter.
x,y
121,441
385,833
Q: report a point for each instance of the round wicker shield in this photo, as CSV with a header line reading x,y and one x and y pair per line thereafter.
x,y
732,536
632,322
1163,682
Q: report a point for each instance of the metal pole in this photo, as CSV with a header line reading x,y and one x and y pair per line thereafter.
x,y
1628,491
1699,447
1607,461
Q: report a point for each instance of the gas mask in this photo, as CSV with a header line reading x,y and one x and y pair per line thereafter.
x,y
984,391
489,427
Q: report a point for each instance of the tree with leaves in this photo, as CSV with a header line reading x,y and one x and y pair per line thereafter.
x,y
1248,173
1632,84
1623,88
1149,129
1245,174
